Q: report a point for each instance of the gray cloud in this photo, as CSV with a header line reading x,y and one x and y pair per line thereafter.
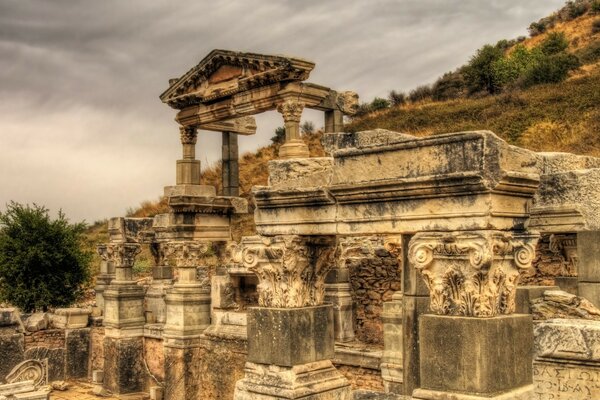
x,y
81,125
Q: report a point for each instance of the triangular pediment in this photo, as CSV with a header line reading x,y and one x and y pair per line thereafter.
x,y
224,73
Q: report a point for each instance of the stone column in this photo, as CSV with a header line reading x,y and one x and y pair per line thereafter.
x,y
334,121
229,162
392,368
162,276
188,168
338,293
103,280
473,346
566,245
588,250
294,146
124,323
188,315
290,334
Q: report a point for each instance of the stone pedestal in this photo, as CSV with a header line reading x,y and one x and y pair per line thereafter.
x,y
188,315
123,365
289,352
487,358
588,248
393,340
337,292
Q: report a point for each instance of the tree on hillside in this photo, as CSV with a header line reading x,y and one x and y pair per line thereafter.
x,y
479,72
42,261
307,127
279,137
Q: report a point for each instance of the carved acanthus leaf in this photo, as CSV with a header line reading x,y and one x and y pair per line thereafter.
x,y
188,253
472,274
121,255
188,134
291,110
291,269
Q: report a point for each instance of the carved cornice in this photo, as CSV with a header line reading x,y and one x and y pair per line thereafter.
x,y
188,134
566,246
291,110
121,255
188,253
291,269
472,274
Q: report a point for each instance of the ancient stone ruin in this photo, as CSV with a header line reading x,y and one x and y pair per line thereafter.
x,y
388,269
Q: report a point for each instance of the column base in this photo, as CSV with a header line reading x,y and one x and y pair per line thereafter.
x,y
523,393
294,149
182,377
314,381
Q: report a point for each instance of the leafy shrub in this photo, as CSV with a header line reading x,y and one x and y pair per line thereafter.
x,y
550,69
576,8
379,104
420,93
279,137
42,261
450,86
508,69
589,54
479,72
554,43
307,127
537,28
397,98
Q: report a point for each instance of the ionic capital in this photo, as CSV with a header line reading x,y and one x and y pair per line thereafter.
x,y
291,110
472,273
188,134
291,269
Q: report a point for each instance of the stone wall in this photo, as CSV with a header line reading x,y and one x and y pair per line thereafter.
x,y
52,339
547,265
362,378
374,277
97,351
221,366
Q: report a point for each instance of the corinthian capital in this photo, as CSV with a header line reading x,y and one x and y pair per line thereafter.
x,y
566,246
291,269
187,254
291,110
121,255
472,274
188,134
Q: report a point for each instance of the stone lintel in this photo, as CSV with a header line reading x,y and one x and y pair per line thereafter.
x,y
241,126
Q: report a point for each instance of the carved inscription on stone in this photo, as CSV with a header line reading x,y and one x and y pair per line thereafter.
x,y
553,381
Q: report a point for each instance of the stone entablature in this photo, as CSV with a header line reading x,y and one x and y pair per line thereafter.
x,y
472,273
291,269
403,184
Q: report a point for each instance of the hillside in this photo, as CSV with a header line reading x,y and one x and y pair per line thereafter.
x,y
562,116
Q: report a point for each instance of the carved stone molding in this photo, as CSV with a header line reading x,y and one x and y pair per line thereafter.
x,y
187,253
121,255
291,110
188,134
393,244
291,269
566,245
472,273
30,370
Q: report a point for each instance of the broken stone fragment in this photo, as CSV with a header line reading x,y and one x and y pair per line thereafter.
x,y
37,322
560,304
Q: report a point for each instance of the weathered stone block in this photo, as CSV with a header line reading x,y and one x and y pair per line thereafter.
x,y
123,366
568,339
9,317
588,250
70,318
290,336
12,349
37,322
590,291
485,356
567,283
78,353
56,361
527,293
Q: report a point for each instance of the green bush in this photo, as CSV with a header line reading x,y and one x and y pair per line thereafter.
x,y
42,261
550,69
379,104
420,93
479,72
576,8
589,54
397,98
450,86
509,69
554,43
307,127
537,28
279,137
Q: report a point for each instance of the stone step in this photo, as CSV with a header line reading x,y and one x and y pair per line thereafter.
x,y
16,387
37,395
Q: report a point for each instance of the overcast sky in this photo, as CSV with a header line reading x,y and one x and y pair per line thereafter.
x,y
81,124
